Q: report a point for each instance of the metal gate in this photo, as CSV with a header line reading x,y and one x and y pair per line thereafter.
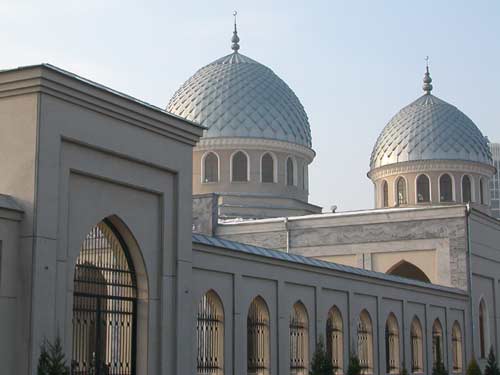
x,y
104,306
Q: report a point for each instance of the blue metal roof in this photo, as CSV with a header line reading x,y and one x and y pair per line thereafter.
x,y
280,255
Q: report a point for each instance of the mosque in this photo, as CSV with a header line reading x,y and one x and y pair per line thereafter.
x,y
182,241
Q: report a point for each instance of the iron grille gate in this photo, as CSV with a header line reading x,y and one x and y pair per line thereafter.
x,y
104,306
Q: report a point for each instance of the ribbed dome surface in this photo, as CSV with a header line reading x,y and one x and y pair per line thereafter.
x,y
430,129
236,96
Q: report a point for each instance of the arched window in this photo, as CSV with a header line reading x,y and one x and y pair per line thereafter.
x,y
104,304
258,339
335,339
445,188
437,343
267,168
408,270
299,340
483,329
417,347
392,345
466,189
385,194
290,172
481,191
210,168
210,335
365,342
401,191
456,342
423,189
239,165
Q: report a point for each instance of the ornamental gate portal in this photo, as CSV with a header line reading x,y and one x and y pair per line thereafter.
x,y
104,306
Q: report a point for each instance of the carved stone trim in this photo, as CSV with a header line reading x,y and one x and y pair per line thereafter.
x,y
431,165
255,144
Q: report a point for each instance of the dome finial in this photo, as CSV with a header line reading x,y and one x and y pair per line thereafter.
x,y
235,39
427,78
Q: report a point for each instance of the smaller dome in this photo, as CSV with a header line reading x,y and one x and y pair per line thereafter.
x,y
430,129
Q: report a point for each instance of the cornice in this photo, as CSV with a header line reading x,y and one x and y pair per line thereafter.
x,y
49,80
255,144
430,166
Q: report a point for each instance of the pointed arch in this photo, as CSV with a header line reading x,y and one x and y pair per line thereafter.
x,y
401,191
210,335
457,352
210,165
104,280
423,189
365,342
335,339
406,269
417,346
258,338
392,345
446,192
484,329
299,340
240,167
437,342
268,168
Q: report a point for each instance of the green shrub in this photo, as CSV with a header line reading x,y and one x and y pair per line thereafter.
x,y
52,360
473,368
321,364
403,370
492,365
439,368
354,365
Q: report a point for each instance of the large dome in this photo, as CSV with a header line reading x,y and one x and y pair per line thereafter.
x,y
236,96
430,129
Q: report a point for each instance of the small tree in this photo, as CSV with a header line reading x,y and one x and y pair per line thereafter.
x,y
52,360
354,365
403,370
492,364
439,368
321,364
473,368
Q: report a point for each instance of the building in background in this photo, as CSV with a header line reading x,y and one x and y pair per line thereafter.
x,y
495,181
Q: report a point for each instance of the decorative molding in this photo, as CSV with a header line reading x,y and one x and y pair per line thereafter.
x,y
422,166
255,144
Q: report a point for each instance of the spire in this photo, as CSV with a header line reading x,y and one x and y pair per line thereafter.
x,y
427,87
235,39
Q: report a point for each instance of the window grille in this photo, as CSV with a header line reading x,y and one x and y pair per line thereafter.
x,y
211,168
365,343
334,340
456,342
417,360
258,339
466,189
446,188
240,167
392,345
104,306
210,335
401,191
299,340
423,189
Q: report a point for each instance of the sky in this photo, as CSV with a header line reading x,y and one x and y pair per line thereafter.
x,y
353,64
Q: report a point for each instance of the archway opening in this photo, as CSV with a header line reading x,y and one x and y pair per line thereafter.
x,y
104,305
408,270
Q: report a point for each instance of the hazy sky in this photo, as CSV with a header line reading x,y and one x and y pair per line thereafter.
x,y
353,64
